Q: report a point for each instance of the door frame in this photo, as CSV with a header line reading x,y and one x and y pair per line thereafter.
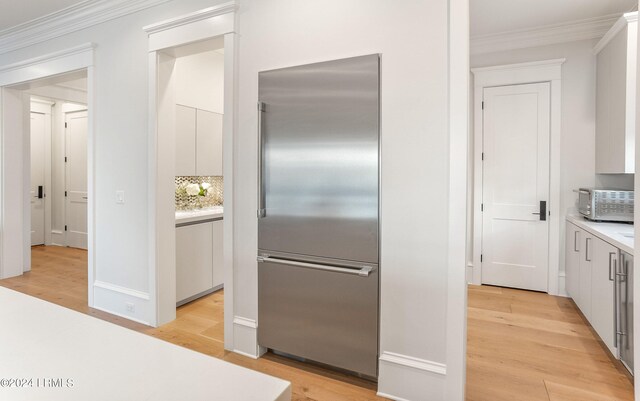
x,y
518,74
15,169
198,26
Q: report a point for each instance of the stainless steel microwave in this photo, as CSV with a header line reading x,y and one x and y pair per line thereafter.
x,y
606,204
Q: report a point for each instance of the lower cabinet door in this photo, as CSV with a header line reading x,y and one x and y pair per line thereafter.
x,y
605,259
572,261
218,259
586,263
194,260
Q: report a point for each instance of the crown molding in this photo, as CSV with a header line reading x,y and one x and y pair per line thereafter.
x,y
84,48
592,28
617,27
518,66
71,19
200,15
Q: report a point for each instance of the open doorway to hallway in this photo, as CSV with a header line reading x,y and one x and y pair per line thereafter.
x,y
55,183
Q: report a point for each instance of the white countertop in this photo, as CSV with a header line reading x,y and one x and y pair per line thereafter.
x,y
190,216
617,234
108,362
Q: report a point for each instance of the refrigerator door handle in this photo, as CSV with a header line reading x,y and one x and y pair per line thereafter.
x,y
261,209
364,271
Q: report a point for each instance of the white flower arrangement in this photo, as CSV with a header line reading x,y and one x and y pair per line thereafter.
x,y
199,189
193,189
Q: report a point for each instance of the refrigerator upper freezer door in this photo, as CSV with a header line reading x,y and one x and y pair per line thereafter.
x,y
625,310
325,316
320,159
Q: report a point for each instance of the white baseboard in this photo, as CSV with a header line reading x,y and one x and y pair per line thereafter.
x,y
469,273
562,290
245,338
57,238
115,299
405,378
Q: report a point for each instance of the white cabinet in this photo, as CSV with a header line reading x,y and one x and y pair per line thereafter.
x,y
199,259
615,97
572,260
578,262
218,260
194,258
185,141
208,143
589,267
586,262
605,258
198,142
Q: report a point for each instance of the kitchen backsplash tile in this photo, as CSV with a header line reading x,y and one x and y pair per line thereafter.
x,y
214,196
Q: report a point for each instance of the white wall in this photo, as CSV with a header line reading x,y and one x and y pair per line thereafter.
x,y
577,152
199,81
412,38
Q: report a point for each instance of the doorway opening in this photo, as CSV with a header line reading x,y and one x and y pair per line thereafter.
x,y
191,110
55,130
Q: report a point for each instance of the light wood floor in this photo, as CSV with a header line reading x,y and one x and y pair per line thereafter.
x,y
522,346
59,275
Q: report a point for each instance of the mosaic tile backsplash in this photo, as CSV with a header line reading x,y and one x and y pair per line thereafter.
x,y
213,195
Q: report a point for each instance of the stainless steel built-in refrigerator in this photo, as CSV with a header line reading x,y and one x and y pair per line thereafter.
x,y
318,217
624,309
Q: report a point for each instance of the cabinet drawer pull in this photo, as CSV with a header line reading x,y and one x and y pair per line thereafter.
x,y
612,266
575,241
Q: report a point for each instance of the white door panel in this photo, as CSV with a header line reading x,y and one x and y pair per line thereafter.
x,y
515,180
38,133
76,179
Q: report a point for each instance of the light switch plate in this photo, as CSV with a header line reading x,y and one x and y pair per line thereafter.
x,y
120,197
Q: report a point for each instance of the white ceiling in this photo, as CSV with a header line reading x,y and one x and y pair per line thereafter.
x,y
494,16
14,13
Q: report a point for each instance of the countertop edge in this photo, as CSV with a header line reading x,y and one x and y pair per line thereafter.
x,y
601,233
196,217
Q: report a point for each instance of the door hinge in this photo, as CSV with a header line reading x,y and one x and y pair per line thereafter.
x,y
482,155
65,194
480,258
482,207
65,228
482,106
65,125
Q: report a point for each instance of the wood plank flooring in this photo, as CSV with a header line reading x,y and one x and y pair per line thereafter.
x,y
522,346
59,275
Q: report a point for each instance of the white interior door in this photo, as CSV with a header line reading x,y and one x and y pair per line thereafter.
x,y
38,132
76,179
515,237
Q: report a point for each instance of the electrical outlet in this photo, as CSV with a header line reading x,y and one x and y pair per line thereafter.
x,y
130,307
120,197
